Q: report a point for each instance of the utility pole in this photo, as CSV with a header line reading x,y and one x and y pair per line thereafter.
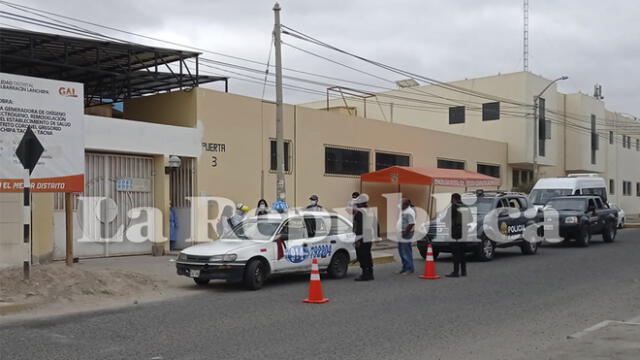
x,y
536,137
525,36
280,185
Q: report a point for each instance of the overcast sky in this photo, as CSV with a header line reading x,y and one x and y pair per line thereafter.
x,y
588,40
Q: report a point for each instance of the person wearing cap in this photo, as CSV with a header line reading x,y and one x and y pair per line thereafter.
x,y
241,213
365,229
351,205
314,206
454,217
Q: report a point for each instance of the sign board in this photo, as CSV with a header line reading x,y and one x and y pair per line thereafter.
x,y
133,184
54,110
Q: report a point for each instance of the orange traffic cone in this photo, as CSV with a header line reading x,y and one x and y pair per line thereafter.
x,y
315,288
429,266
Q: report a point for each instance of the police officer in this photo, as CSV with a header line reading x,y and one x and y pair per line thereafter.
x,y
365,229
455,217
313,205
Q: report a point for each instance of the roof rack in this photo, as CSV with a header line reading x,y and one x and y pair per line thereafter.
x,y
481,192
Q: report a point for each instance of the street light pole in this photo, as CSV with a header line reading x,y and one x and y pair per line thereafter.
x,y
280,184
536,121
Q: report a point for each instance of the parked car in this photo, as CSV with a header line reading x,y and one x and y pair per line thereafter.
x,y
510,209
621,215
574,184
274,244
580,217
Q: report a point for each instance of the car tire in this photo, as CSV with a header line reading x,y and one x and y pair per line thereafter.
x,y
255,273
201,282
529,248
609,233
621,226
338,266
436,253
487,249
583,237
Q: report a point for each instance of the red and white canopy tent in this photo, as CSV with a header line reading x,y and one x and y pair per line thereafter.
x,y
429,177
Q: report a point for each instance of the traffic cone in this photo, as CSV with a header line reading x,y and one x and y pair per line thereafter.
x,y
429,266
315,287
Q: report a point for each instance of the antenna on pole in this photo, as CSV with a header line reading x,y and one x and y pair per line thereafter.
x,y
525,35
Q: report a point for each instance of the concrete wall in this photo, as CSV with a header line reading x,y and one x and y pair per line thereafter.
x,y
173,108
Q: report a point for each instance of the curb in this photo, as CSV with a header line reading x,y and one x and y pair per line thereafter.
x,y
632,226
377,260
9,308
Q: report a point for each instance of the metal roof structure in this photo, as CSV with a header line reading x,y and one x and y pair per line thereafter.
x,y
111,71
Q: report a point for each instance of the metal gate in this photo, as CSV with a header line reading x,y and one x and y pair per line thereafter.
x,y
126,182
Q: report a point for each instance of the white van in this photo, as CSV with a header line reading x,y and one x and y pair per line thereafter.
x,y
574,184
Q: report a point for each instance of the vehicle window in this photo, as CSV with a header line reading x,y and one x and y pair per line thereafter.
x,y
294,229
337,226
567,204
591,203
524,203
502,203
483,205
541,196
577,192
594,191
316,226
253,229
599,204
514,203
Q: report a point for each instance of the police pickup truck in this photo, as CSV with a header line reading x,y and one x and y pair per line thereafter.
x,y
272,244
579,217
499,219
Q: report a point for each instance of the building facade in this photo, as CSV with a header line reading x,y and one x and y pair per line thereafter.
x,y
575,133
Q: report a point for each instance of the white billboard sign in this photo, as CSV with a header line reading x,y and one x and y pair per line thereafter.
x,y
55,111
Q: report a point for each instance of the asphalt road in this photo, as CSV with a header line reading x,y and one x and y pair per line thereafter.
x,y
505,309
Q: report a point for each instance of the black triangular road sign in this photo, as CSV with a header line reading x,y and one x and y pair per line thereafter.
x,y
29,150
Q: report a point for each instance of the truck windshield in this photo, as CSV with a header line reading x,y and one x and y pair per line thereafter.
x,y
253,229
567,204
542,196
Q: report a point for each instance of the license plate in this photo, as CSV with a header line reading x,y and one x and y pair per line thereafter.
x,y
548,227
194,273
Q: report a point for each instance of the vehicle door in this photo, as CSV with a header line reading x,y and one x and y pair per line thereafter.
x,y
602,212
592,214
516,220
320,243
502,207
294,255
342,233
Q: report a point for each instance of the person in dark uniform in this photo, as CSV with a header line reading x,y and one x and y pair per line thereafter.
x,y
363,227
454,216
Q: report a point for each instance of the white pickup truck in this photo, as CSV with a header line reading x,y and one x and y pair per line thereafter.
x,y
272,244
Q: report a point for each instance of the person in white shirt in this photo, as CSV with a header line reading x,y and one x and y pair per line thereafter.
x,y
241,213
406,226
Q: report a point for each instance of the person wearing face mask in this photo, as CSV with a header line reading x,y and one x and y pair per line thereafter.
x,y
262,208
314,206
241,213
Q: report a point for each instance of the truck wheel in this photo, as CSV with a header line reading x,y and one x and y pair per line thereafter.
x,y
487,250
338,266
609,233
201,282
529,248
583,238
255,274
